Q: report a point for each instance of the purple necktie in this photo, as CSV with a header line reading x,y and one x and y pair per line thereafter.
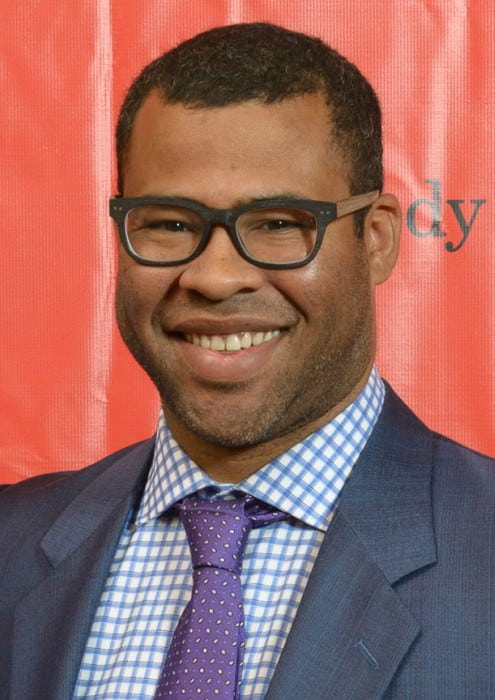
x,y
204,661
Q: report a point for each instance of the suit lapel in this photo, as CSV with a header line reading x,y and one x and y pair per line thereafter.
x,y
352,630
66,581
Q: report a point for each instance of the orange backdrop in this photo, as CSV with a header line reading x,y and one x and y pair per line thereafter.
x,y
69,391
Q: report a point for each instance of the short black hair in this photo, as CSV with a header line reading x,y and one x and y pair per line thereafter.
x,y
231,64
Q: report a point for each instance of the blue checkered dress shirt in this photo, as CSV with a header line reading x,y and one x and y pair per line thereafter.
x,y
149,582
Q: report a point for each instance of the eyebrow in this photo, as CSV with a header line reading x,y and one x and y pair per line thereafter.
x,y
265,197
282,196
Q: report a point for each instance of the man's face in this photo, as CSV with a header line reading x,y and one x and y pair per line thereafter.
x,y
314,324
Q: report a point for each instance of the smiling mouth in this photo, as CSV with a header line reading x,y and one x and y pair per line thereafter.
x,y
233,342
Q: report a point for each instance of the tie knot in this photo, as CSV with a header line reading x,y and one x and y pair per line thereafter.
x,y
217,530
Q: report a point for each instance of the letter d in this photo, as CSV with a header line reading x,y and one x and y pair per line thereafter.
x,y
434,205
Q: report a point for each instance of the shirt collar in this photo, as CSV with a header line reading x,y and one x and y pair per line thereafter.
x,y
305,481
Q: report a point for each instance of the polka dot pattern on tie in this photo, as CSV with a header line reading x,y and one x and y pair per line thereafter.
x,y
205,658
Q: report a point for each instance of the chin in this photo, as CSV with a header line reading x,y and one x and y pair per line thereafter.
x,y
223,431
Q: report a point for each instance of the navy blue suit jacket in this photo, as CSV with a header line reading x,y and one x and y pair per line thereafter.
x,y
399,603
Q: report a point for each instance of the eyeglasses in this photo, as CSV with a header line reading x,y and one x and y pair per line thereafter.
x,y
273,233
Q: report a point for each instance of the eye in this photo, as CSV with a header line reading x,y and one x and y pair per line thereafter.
x,y
279,224
169,225
159,219
279,221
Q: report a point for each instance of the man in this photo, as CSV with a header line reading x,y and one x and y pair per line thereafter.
x,y
247,294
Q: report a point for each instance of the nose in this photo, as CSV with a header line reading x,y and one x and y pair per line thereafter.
x,y
220,272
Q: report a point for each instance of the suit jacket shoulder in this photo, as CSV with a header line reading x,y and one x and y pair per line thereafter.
x,y
399,605
28,506
58,533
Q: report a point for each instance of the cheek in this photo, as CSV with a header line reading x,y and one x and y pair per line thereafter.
x,y
139,290
336,285
303,287
317,287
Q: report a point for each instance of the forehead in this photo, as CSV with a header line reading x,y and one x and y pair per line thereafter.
x,y
289,139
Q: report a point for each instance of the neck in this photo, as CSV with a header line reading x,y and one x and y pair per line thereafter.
x,y
233,464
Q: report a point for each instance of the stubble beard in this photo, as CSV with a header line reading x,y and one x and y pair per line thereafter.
x,y
293,399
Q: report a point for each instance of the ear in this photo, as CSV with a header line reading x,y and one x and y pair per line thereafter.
x,y
381,237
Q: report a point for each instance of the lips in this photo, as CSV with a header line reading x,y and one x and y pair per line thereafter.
x,y
232,342
224,353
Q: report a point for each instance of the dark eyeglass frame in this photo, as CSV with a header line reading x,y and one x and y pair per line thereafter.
x,y
324,213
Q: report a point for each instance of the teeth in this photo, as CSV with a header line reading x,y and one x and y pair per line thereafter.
x,y
232,342
246,340
217,343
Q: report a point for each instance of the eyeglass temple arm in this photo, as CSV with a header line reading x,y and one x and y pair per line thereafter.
x,y
359,201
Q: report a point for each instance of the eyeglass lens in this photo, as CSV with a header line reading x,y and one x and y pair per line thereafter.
x,y
165,233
